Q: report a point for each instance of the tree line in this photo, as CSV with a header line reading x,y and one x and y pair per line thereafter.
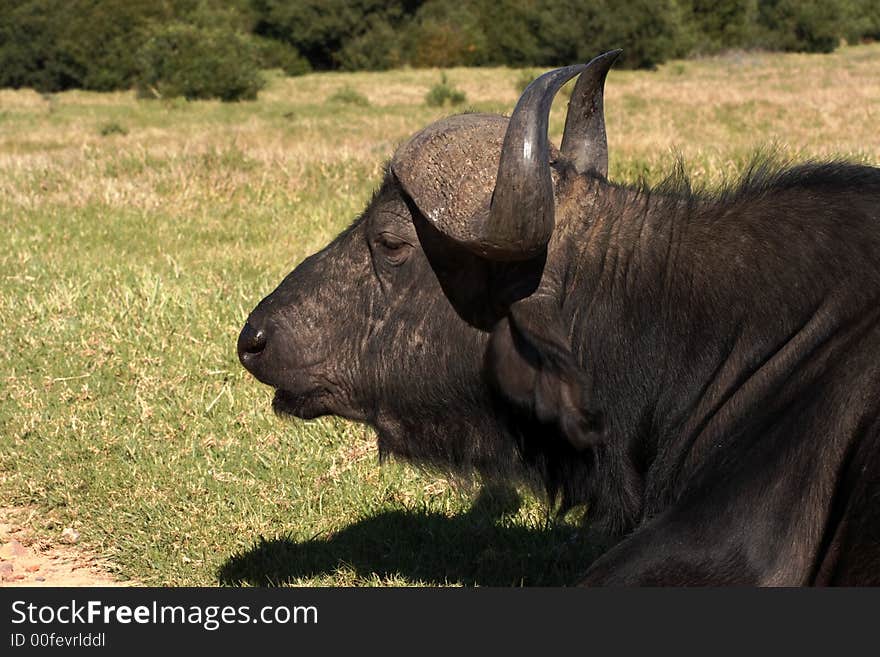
x,y
216,48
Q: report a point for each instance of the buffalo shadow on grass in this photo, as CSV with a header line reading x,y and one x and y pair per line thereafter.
x,y
473,548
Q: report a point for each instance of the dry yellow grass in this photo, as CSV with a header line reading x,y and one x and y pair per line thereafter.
x,y
713,111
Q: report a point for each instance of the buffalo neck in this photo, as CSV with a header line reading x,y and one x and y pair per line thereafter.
x,y
622,303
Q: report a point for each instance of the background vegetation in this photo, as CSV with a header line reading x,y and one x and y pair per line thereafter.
x,y
52,45
137,237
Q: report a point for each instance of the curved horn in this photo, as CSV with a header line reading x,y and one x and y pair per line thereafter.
x,y
584,142
521,216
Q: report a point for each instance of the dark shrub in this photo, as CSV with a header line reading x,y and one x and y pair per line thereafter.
x,y
443,92
277,54
649,31
861,19
376,49
512,29
184,60
321,29
30,52
52,45
446,33
800,25
722,24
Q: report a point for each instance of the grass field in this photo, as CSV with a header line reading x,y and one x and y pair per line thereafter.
x,y
137,235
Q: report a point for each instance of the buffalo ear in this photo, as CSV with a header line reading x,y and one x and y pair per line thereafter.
x,y
530,363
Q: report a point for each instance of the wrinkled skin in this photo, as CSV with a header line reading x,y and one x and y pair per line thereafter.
x,y
702,372
363,330
370,312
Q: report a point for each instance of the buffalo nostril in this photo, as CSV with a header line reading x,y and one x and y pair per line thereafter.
x,y
251,341
258,343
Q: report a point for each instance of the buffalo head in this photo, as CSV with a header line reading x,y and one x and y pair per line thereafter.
x,y
424,318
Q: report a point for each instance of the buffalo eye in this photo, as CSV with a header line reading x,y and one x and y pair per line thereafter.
x,y
393,249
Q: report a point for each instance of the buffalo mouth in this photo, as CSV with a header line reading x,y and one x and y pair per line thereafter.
x,y
304,405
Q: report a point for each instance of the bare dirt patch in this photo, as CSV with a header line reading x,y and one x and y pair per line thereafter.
x,y
28,561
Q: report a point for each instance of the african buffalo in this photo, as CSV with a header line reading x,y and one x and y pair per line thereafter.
x,y
702,371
